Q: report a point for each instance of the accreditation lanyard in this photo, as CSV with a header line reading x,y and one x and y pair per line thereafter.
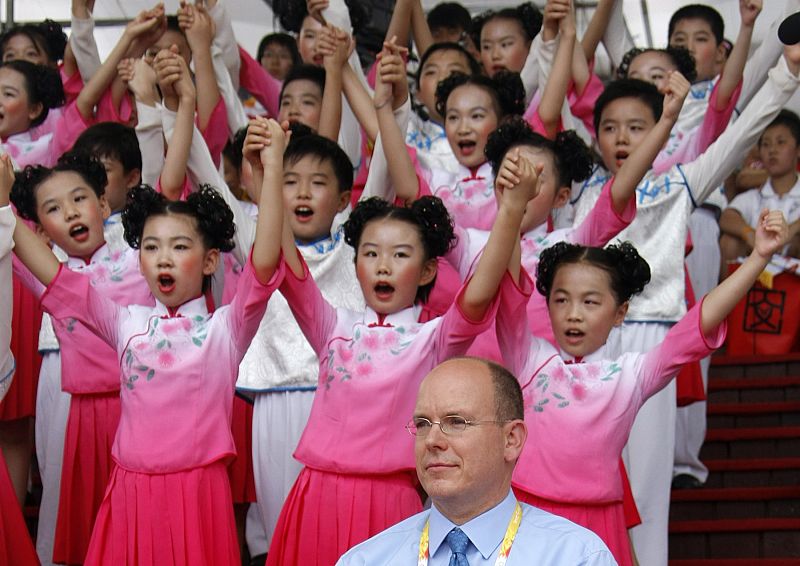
x,y
505,548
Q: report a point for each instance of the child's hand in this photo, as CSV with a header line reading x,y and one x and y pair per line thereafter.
x,y
140,44
517,181
143,80
276,139
125,70
197,25
749,11
6,178
675,92
255,140
184,86
392,75
315,8
147,22
168,71
335,45
772,233
554,12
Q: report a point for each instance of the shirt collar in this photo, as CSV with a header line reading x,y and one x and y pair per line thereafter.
x,y
195,307
769,191
485,532
596,356
113,218
78,262
484,172
406,317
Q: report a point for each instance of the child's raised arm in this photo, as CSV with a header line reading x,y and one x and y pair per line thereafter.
x,y
517,182
733,70
772,233
641,160
269,226
179,95
558,14
335,46
199,28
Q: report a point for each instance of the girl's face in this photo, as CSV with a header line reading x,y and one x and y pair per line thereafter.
x,y
20,46
438,67
583,309
470,116
16,111
550,194
307,41
301,101
170,37
173,258
277,60
71,214
778,151
652,67
391,265
504,46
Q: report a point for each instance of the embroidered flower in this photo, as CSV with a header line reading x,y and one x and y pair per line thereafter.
x,y
166,359
363,369
371,341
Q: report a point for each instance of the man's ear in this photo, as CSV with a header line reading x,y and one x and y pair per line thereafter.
x,y
515,435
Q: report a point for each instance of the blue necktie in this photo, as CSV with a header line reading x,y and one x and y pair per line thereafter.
x,y
458,542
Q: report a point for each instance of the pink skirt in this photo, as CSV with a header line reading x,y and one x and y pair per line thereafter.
x,y
240,470
15,542
178,519
326,514
87,465
20,400
605,520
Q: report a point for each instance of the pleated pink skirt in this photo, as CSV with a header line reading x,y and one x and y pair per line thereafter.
x,y
15,542
605,520
326,514
172,519
86,466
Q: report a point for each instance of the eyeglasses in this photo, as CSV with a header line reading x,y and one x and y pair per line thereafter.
x,y
452,424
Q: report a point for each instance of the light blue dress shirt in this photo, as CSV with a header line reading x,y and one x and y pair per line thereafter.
x,y
543,539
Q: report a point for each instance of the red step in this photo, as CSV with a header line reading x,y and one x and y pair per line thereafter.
x,y
734,525
737,493
724,383
753,408
754,359
731,434
735,562
746,465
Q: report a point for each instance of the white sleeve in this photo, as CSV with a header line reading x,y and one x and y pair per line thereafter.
x,y
379,183
7,223
537,65
201,170
711,168
84,47
225,39
151,142
237,118
616,38
763,58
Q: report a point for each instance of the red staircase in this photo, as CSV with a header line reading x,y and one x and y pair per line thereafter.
x,y
748,513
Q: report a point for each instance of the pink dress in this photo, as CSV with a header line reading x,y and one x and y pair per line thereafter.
x,y
168,500
90,374
579,415
359,475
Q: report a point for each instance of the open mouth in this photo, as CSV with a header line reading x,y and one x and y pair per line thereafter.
x,y
79,232
467,147
574,335
166,283
303,213
498,68
620,157
384,291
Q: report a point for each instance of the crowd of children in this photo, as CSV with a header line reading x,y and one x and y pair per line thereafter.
x,y
232,272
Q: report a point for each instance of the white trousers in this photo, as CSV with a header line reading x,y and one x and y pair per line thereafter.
x,y
52,410
690,431
650,451
279,419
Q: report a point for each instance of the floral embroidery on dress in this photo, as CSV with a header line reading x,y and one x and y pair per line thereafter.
x,y
369,347
577,380
157,344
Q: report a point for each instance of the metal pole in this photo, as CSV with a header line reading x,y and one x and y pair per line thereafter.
x,y
648,33
9,14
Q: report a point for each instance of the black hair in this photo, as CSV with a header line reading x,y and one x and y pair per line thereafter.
x,y
305,72
43,85
112,140
505,88
785,118
291,13
474,66
282,39
47,36
173,24
307,143
628,272
23,192
629,88
449,15
571,156
699,12
680,57
529,18
212,214
427,214
233,149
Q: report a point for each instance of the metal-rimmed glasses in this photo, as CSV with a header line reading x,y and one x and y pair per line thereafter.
x,y
451,424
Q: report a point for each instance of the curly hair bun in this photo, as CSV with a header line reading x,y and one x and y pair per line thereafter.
x,y
23,191
436,223
574,157
510,93
214,218
142,202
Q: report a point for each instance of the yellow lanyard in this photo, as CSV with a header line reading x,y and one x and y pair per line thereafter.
x,y
505,548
